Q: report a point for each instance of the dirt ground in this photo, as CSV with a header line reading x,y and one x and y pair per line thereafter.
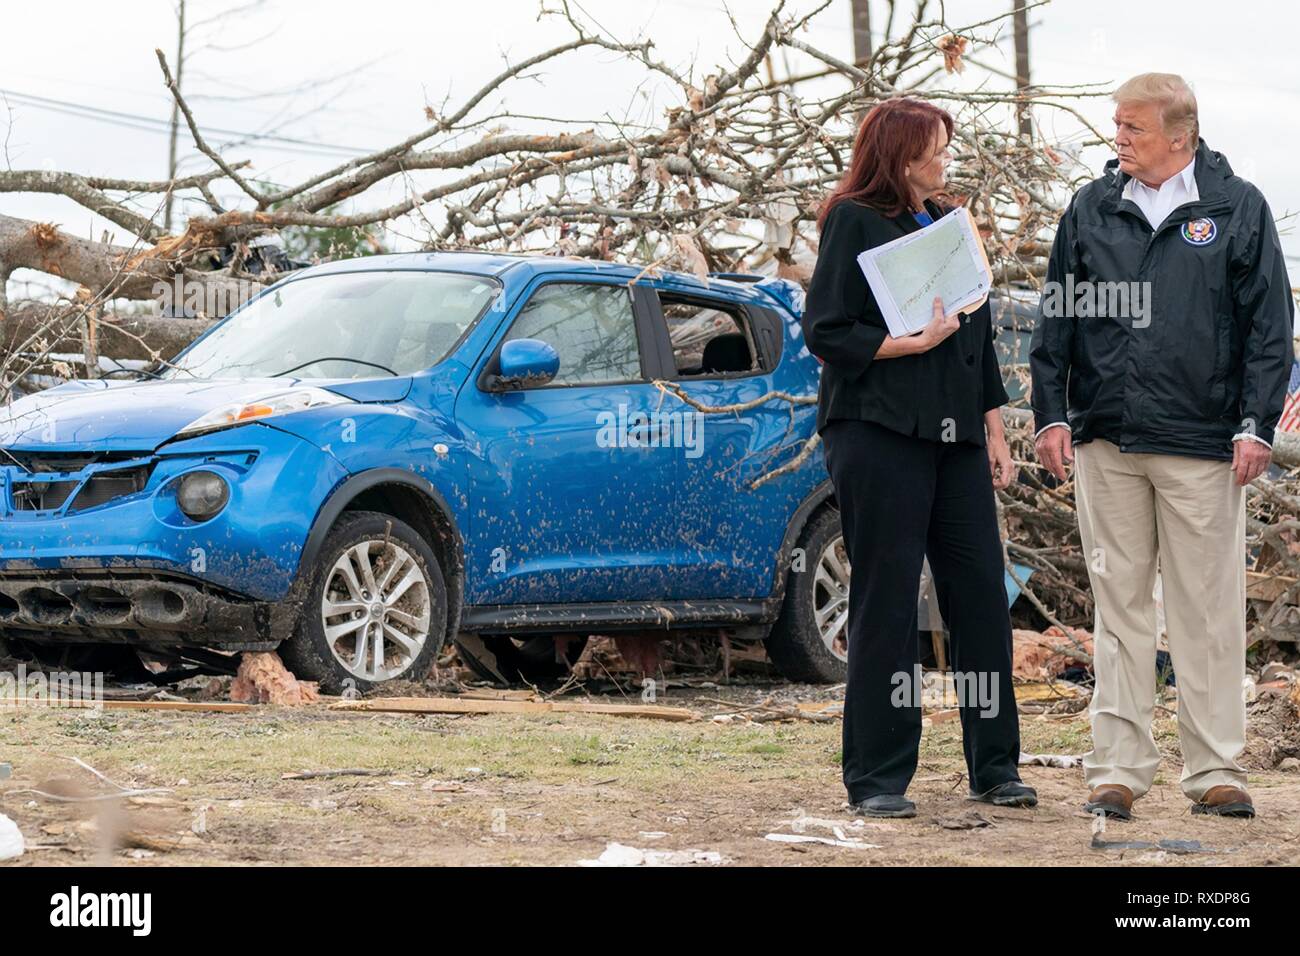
x,y
559,788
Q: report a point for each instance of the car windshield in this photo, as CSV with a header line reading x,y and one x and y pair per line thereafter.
x,y
346,325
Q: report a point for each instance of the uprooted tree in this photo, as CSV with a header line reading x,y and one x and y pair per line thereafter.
x,y
729,178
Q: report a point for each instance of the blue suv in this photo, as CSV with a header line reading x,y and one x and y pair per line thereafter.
x,y
376,456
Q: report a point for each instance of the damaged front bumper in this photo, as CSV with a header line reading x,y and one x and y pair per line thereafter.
x,y
95,548
144,609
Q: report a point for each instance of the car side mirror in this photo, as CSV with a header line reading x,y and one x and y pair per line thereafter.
x,y
526,363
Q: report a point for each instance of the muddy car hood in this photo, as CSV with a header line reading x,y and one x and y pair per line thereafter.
x,y
137,416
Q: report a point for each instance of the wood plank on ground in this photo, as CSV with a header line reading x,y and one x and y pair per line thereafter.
x,y
456,705
225,707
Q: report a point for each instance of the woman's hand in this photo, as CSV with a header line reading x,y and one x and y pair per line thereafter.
x,y
941,326
1000,466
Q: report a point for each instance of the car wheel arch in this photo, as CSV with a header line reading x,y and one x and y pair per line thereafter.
x,y
402,494
823,496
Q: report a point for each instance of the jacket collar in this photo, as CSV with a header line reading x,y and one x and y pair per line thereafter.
x,y
907,222
1211,170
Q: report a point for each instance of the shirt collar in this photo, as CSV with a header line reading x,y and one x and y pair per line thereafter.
x,y
1187,175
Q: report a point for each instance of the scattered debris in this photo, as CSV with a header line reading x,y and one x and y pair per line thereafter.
x,y
494,693
940,717
847,843
64,790
617,854
12,844
766,711
1272,731
971,820
1062,761
1275,671
325,774
263,679
453,705
91,706
1038,656
1180,847
838,830
154,843
1052,696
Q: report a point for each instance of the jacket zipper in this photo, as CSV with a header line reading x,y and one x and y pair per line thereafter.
x,y
1188,212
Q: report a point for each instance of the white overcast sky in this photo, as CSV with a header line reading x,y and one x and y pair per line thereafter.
x,y
401,55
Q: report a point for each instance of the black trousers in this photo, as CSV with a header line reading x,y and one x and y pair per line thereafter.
x,y
901,499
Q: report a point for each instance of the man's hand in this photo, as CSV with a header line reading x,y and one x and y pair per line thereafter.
x,y
1000,465
1055,451
1249,459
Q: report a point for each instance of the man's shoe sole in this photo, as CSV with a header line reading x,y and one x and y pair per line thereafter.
x,y
1241,810
1109,810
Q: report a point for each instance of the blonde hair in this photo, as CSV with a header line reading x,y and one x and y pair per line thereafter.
x,y
1171,94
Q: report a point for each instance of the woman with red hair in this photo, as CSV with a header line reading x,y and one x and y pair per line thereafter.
x,y
914,445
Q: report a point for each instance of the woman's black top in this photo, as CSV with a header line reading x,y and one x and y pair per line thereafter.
x,y
941,394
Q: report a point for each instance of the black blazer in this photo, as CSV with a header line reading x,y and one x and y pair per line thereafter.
x,y
941,394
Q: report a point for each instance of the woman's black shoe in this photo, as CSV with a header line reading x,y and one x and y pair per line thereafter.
x,y
1013,793
885,805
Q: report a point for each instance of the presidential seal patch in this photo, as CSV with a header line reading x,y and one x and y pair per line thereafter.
x,y
1199,232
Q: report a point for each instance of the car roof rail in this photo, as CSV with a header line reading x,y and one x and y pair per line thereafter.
x,y
789,294
738,276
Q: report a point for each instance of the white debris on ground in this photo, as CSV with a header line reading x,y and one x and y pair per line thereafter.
x,y
805,838
840,831
618,854
1062,761
12,845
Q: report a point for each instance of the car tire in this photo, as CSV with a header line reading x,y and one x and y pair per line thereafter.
x,y
360,551
797,645
519,660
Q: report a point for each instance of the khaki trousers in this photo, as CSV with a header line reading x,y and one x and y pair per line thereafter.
x,y
1191,515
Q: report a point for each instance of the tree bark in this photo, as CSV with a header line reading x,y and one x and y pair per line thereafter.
x,y
119,335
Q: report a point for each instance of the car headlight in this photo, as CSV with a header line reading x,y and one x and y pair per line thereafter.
x,y
268,405
202,494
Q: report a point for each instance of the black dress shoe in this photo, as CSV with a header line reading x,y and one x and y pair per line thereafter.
x,y
885,805
1013,793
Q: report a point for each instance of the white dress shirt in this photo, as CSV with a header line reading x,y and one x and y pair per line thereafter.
x,y
1156,205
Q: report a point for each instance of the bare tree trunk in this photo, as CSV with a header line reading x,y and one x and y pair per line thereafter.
x,y
90,341
861,42
861,31
1020,25
117,335
176,115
